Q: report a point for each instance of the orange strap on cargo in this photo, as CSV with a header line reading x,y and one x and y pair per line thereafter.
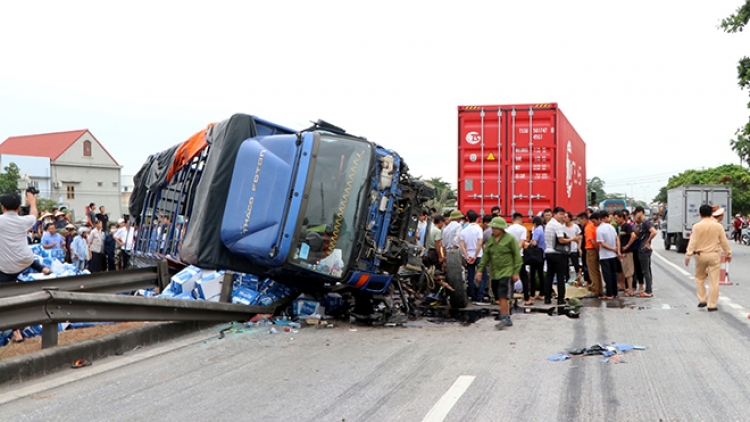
x,y
187,151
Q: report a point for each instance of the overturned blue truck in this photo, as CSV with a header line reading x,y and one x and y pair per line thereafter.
x,y
315,209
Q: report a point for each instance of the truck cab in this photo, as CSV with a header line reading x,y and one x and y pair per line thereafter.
x,y
312,208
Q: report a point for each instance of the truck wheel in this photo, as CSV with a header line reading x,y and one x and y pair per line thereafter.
x,y
681,244
667,244
454,275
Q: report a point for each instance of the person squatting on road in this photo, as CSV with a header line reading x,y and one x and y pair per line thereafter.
x,y
502,255
15,254
707,241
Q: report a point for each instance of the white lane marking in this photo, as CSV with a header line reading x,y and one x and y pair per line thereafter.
x,y
90,371
441,409
675,266
726,300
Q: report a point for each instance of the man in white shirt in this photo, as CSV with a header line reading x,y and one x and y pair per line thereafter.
x,y
518,230
471,248
96,246
557,260
573,231
121,237
452,232
15,253
421,228
609,251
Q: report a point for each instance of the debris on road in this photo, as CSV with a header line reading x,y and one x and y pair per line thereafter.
x,y
559,357
611,351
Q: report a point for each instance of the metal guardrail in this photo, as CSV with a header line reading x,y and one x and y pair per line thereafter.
x,y
52,307
106,282
85,299
49,308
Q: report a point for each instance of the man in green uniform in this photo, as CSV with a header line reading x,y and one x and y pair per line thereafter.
x,y
502,255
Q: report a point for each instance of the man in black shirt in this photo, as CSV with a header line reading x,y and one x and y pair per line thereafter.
x,y
645,232
103,217
627,237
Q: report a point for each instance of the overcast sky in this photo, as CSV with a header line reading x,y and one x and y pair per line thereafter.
x,y
650,86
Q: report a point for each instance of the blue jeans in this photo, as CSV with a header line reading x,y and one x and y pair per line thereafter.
x,y
476,293
483,285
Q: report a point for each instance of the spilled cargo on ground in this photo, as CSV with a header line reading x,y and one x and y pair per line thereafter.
x,y
522,158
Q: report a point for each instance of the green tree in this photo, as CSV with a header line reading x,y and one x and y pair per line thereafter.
x,y
9,179
45,204
445,195
596,185
733,24
733,175
661,196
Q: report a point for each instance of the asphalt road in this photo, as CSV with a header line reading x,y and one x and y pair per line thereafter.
x,y
693,369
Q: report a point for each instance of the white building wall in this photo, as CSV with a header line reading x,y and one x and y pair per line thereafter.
x,y
74,154
78,180
87,184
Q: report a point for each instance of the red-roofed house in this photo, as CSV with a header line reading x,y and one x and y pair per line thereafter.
x,y
81,171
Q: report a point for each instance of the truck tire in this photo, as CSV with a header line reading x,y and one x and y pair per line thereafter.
x,y
454,275
681,244
667,243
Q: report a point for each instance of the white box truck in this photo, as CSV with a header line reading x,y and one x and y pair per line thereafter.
x,y
683,203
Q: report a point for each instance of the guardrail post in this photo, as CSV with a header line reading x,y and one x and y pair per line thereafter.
x,y
162,274
49,335
226,287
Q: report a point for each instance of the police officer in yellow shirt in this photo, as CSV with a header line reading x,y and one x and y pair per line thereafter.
x,y
707,242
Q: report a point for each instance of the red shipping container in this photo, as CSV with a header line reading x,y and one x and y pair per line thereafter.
x,y
523,158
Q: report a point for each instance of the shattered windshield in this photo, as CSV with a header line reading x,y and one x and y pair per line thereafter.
x,y
339,181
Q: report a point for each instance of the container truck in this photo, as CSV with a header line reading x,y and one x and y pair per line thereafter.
x,y
315,209
522,158
681,212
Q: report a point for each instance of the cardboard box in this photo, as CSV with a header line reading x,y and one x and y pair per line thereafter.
x,y
184,296
334,302
306,305
185,280
248,281
244,296
210,286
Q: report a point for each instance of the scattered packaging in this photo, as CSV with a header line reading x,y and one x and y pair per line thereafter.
x,y
306,305
245,296
185,280
209,286
184,296
333,302
248,281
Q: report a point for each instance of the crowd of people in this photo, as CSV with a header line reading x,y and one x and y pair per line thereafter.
x,y
609,253
739,224
97,244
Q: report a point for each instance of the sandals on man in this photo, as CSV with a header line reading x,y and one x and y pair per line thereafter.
x,y
644,294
